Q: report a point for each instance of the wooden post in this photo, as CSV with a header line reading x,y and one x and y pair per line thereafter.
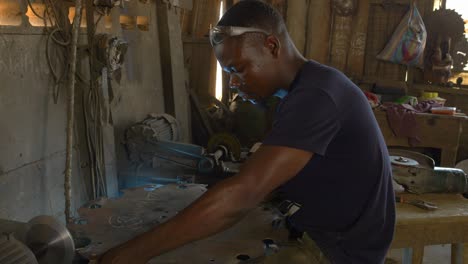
x,y
173,70
418,254
203,61
71,109
318,30
296,21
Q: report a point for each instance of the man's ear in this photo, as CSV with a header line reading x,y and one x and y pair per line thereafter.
x,y
273,44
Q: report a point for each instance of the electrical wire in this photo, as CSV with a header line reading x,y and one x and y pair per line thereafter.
x,y
34,11
57,27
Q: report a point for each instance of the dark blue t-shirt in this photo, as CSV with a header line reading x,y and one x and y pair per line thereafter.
x,y
345,190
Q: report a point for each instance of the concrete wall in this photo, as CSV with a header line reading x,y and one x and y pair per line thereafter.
x,y
141,88
33,128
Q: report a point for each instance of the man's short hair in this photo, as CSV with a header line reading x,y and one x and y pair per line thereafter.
x,y
253,13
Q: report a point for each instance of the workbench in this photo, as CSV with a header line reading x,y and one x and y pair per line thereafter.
x,y
416,228
435,131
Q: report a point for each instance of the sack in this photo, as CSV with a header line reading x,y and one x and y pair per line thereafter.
x,y
408,41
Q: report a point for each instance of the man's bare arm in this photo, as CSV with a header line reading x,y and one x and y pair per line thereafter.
x,y
220,207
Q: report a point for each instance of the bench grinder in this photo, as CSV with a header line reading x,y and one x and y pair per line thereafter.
x,y
417,173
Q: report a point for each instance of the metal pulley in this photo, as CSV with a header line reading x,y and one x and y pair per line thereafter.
x,y
42,240
13,251
49,240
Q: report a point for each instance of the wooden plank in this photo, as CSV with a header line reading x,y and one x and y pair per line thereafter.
x,y
280,5
110,161
457,253
440,89
357,48
173,71
318,30
340,41
205,13
186,22
393,2
296,22
199,58
203,62
465,253
446,225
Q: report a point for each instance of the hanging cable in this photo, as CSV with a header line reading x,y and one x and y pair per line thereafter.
x,y
57,29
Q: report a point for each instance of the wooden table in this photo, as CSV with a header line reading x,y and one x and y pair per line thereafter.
x,y
435,131
416,228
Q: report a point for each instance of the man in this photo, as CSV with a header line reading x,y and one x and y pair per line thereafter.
x,y
324,152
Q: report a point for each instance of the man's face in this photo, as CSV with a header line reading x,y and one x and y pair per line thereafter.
x,y
250,65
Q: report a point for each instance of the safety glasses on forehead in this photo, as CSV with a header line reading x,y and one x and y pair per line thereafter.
x,y
219,33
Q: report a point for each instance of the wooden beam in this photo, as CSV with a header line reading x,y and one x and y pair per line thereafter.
x,y
173,70
318,30
205,13
296,21
357,48
340,41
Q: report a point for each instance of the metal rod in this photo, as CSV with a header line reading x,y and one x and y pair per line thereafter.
x,y
71,108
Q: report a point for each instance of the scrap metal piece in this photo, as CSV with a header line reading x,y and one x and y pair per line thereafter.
x,y
423,204
110,222
418,203
153,206
110,51
49,240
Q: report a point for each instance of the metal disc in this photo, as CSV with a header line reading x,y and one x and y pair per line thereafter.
x,y
424,161
49,240
227,140
403,161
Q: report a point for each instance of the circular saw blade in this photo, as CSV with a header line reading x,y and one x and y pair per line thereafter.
x,y
49,240
403,161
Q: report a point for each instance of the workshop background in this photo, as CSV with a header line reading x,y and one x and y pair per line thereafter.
x,y
152,57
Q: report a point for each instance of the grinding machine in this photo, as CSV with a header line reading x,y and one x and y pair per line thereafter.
x,y
418,174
